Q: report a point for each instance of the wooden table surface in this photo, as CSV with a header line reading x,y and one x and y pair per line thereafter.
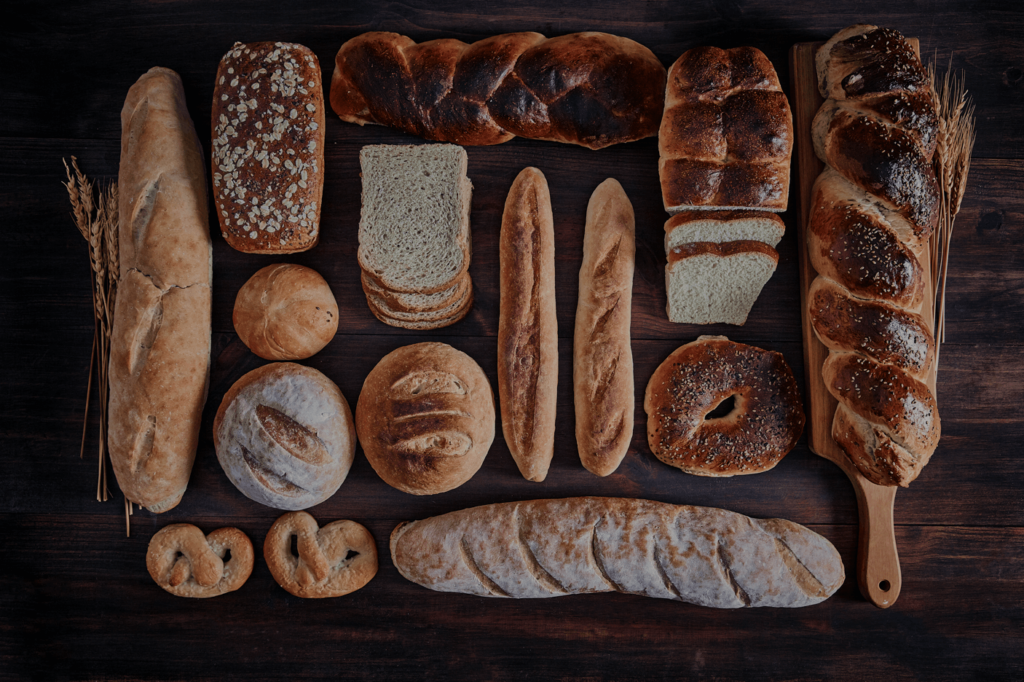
x,y
75,598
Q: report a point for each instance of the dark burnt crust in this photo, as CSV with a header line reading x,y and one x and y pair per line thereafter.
x,y
686,182
863,254
913,112
882,61
883,332
694,379
591,89
887,162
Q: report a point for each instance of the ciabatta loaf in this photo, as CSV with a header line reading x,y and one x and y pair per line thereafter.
x,y
527,325
160,341
551,548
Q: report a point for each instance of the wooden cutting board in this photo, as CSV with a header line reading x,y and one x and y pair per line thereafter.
x,y
878,564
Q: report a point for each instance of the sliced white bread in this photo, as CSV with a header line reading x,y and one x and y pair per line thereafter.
x,y
414,225
417,303
711,283
723,226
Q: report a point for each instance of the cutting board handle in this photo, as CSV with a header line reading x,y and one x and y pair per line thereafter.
x,y
878,563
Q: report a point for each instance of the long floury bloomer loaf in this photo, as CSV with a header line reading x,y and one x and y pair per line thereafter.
x,y
160,343
872,212
550,548
590,89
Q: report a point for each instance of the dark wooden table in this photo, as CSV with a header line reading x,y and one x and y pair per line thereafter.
x,y
75,598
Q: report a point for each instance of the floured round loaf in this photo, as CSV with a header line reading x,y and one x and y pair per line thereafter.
x,y
285,312
425,418
284,436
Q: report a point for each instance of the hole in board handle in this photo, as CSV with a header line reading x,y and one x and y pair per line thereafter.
x,y
884,586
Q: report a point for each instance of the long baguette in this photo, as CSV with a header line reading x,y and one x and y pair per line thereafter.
x,y
527,325
602,361
160,342
550,548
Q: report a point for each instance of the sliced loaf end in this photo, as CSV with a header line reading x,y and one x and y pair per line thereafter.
x,y
717,283
723,226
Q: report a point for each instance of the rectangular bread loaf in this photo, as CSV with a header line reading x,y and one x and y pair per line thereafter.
x,y
551,548
160,341
268,147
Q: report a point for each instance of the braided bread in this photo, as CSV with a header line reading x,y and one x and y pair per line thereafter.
x,y
873,210
590,89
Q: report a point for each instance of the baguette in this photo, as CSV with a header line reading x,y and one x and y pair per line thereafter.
x,y
602,361
550,548
528,326
160,341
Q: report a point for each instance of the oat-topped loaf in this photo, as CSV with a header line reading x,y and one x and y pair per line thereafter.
x,y
268,147
727,134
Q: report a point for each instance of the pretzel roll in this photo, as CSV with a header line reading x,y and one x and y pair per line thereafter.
x,y
284,436
425,418
332,561
188,564
766,420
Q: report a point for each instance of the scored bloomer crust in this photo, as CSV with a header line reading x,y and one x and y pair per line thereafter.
x,y
268,147
762,428
727,133
425,418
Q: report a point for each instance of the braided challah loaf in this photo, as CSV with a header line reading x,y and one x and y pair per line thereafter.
x,y
590,89
873,210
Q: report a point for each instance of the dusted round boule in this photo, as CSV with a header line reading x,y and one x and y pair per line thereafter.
x,y
285,312
284,436
425,418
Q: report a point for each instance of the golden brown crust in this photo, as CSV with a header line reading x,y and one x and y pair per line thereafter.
x,y
160,341
528,326
425,418
591,89
762,428
332,561
727,133
183,561
285,312
268,147
602,360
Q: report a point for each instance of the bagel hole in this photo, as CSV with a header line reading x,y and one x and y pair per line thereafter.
x,y
352,554
227,556
295,545
722,409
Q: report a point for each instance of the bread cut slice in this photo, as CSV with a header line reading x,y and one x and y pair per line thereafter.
x,y
428,324
417,303
723,226
414,226
717,283
429,316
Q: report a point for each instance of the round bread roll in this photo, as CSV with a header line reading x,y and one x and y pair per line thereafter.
x,y
764,424
285,312
284,436
425,418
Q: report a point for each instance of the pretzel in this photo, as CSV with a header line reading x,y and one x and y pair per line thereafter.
x,y
332,561
188,564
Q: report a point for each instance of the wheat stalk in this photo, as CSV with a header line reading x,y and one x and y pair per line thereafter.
x,y
95,216
952,164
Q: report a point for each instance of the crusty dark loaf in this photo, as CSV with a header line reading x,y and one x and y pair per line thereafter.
x,y
591,89
602,358
727,134
268,147
550,548
872,212
527,325
160,342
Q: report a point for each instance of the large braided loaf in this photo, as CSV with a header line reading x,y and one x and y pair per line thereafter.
x,y
873,210
590,89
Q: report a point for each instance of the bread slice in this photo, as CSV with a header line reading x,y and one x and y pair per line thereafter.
x,y
717,283
414,227
417,303
723,226
429,316
428,324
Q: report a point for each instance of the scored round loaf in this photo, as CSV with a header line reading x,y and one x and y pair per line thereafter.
x,y
425,418
766,420
284,436
285,312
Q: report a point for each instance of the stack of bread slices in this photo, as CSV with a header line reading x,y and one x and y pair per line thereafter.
x,y
725,145
414,240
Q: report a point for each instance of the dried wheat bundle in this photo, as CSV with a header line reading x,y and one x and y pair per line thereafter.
x,y
94,210
952,162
